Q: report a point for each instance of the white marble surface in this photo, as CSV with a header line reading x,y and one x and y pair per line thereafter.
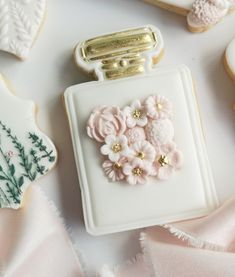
x,y
50,69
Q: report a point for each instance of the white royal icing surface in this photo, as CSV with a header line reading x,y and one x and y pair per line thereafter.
x,y
112,207
230,56
20,21
25,152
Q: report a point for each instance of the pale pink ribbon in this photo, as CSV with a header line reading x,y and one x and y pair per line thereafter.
x,y
34,241
201,247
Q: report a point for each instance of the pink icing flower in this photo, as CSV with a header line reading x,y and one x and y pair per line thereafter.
x,y
135,115
207,12
142,150
115,147
137,171
114,169
159,131
158,107
167,161
106,121
135,134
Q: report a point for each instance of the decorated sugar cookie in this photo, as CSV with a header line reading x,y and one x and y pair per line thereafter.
x,y
229,59
201,14
20,23
26,153
136,135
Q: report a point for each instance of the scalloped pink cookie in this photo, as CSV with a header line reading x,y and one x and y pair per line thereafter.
x,y
20,22
201,14
26,153
229,59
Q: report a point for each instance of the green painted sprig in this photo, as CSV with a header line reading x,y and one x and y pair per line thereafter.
x,y
29,161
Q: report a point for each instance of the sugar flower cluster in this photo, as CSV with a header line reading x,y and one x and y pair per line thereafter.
x,y
136,141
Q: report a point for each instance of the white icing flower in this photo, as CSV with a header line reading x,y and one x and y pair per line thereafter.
x,y
142,150
115,147
158,107
135,115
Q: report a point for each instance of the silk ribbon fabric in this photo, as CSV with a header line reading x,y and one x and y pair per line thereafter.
x,y
202,247
34,241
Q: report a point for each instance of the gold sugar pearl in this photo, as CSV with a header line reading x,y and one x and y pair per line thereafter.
x,y
117,147
159,106
163,160
117,166
137,114
141,155
137,171
123,63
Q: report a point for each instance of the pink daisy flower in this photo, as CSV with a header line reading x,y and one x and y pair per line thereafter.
x,y
158,107
114,169
142,150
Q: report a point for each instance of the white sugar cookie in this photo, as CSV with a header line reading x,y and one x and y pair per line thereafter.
x,y
201,14
136,135
229,59
20,22
25,152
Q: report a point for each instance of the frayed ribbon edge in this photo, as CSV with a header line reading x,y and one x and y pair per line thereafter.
x,y
192,240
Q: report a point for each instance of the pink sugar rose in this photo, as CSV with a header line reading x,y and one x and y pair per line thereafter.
x,y
135,134
114,169
142,150
168,159
137,171
158,107
106,121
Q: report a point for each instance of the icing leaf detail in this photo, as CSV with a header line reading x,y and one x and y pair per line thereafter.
x,y
38,143
20,22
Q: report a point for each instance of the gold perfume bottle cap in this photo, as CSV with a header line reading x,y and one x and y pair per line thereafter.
x,y
121,54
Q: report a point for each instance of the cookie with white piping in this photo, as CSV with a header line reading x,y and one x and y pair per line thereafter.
x,y
25,152
20,23
229,59
201,14
136,135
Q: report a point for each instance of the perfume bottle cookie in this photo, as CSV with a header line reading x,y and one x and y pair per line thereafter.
x,y
136,135
20,23
26,153
201,14
229,59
